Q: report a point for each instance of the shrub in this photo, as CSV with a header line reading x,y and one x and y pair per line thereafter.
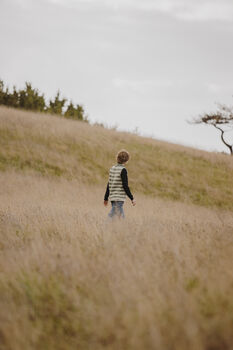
x,y
30,98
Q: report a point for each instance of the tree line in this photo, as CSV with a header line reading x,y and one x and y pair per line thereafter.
x,y
30,98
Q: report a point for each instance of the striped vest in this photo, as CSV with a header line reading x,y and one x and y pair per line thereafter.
x,y
116,190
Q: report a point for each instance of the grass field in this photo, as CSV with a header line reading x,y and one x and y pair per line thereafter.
x,y
52,146
69,279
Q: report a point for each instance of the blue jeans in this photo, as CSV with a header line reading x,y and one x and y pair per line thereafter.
x,y
117,210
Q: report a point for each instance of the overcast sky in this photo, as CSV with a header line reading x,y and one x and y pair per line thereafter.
x,y
146,64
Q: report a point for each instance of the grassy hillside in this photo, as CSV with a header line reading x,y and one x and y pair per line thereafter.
x,y
56,147
70,279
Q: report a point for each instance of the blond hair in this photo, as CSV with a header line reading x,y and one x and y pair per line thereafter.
x,y
122,156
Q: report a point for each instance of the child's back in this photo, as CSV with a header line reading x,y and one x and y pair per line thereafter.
x,y
117,187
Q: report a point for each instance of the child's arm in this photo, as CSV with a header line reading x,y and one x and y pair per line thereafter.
x,y
106,195
124,178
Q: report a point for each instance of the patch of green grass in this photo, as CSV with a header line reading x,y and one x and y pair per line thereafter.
x,y
54,318
214,304
37,165
192,284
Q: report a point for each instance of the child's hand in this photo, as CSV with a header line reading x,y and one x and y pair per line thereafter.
x,y
105,203
133,202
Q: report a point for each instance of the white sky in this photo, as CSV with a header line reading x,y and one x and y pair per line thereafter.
x,y
146,64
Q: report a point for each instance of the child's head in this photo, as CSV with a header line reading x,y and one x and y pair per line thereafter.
x,y
122,156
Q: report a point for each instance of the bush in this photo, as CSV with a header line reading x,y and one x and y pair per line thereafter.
x,y
30,98
73,112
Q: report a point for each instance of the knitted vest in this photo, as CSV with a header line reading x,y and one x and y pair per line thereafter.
x,y
116,190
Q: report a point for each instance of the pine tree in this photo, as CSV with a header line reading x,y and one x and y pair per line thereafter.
x,y
70,111
2,93
76,113
56,105
30,99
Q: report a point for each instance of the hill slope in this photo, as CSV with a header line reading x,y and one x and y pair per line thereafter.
x,y
57,147
70,279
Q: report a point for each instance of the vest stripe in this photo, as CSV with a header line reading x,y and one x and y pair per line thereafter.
x,y
116,190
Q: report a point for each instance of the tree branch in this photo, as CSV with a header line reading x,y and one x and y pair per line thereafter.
x,y
224,141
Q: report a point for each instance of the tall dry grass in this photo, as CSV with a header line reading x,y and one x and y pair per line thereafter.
x,y
69,279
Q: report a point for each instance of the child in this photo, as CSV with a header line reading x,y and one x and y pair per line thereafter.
x,y
117,187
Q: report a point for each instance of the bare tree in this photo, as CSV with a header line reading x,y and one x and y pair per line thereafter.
x,y
222,120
